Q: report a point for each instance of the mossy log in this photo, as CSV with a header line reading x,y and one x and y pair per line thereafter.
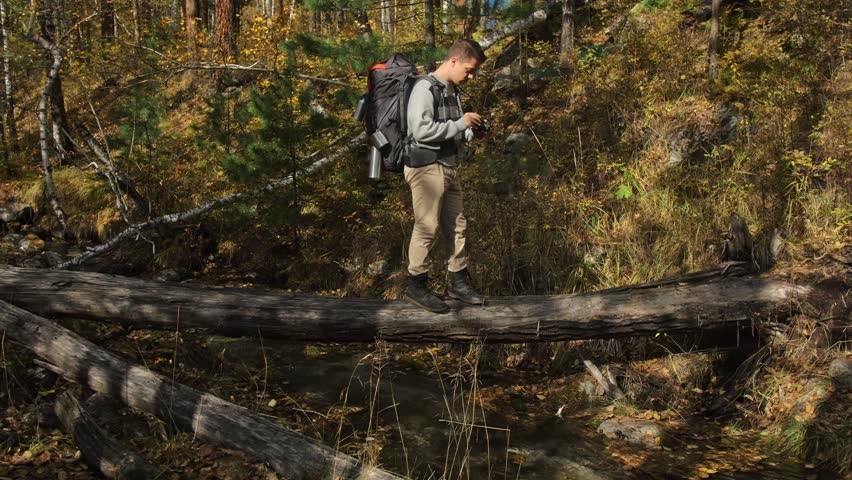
x,y
103,453
681,304
210,418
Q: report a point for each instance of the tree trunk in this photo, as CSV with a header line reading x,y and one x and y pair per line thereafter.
x,y
59,121
137,18
713,47
7,82
387,18
290,16
227,27
429,26
103,453
107,20
210,418
177,7
566,46
472,20
204,14
44,147
191,25
680,304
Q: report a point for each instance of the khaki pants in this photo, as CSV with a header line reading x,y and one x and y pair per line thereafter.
x,y
437,197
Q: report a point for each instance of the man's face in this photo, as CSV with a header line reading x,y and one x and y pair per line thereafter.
x,y
463,70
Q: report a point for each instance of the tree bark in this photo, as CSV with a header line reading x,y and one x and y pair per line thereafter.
x,y
191,25
137,19
210,418
204,13
107,20
7,82
102,452
566,45
227,27
429,26
47,168
681,304
60,128
713,47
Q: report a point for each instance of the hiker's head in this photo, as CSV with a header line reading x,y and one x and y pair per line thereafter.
x,y
463,60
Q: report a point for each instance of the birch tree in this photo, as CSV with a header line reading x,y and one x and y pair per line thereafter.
x,y
7,81
39,36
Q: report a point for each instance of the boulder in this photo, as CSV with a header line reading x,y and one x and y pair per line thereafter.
x,y
52,259
639,432
840,372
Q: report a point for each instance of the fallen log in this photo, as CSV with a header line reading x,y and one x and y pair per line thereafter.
x,y
210,418
102,452
671,307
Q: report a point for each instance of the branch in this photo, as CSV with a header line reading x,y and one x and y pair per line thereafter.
x,y
203,209
262,69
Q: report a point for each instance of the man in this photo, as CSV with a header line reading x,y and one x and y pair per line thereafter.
x,y
437,127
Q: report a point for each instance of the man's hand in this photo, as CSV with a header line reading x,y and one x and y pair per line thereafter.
x,y
472,119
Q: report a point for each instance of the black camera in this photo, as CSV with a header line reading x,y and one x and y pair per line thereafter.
x,y
483,126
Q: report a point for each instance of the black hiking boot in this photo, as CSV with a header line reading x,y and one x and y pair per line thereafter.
x,y
461,289
419,294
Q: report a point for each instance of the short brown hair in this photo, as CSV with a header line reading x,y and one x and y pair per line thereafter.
x,y
466,49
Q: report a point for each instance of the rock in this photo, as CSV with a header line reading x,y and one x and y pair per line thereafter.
x,y
31,244
52,259
12,238
639,432
169,275
590,388
379,268
816,390
16,212
840,372
566,468
518,140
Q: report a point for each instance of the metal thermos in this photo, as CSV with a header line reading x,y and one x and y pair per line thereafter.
x,y
360,109
375,163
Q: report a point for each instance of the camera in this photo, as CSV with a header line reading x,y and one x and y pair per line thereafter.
x,y
484,126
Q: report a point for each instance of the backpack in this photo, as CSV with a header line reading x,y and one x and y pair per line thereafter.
x,y
383,109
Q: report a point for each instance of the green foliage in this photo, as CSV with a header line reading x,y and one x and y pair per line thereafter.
x,y
324,5
651,5
140,119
